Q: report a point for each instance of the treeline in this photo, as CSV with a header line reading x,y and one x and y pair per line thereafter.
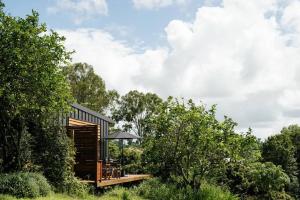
x,y
182,141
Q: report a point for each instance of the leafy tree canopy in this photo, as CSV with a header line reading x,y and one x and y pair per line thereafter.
x,y
135,109
188,142
284,150
88,88
33,89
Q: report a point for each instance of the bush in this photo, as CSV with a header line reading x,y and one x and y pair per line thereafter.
x,y
74,187
264,180
120,193
21,184
280,196
211,192
132,160
156,190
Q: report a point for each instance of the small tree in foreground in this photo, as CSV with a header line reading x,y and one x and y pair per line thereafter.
x,y
187,143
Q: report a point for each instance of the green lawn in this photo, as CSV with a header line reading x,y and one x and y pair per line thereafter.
x,y
114,194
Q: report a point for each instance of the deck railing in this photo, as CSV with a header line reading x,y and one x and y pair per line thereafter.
x,y
111,170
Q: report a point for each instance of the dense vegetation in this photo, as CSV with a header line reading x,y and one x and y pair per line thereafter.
x,y
30,185
192,153
148,190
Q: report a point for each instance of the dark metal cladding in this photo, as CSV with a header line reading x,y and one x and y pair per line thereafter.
x,y
93,115
82,113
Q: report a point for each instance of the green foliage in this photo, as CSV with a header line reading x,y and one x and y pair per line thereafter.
x,y
280,150
266,177
33,89
132,160
58,166
88,88
211,192
280,196
125,196
33,95
134,110
156,190
73,187
114,150
188,143
257,179
283,149
24,185
121,193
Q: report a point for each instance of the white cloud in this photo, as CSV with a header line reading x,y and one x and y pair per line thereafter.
x,y
81,9
113,60
155,4
243,56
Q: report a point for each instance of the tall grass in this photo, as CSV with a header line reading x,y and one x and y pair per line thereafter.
x,y
154,189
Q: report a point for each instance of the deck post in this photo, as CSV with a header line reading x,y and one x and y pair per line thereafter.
x,y
98,176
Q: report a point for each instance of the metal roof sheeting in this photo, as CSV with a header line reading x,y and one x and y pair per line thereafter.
x,y
91,112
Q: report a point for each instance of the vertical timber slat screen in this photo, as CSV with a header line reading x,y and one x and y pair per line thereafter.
x,y
86,141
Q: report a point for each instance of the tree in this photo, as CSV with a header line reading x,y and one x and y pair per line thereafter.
x,y
280,150
135,109
294,132
263,180
187,143
283,149
33,91
88,88
244,150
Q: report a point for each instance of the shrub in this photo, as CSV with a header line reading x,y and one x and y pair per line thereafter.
x,y
21,184
132,160
120,193
211,192
74,187
7,197
280,196
156,190
264,180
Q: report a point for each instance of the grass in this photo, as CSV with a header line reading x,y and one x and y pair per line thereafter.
x,y
152,189
117,193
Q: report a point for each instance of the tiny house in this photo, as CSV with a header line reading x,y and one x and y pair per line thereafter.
x,y
88,129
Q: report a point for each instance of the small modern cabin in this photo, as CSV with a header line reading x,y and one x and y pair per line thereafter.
x,y
88,129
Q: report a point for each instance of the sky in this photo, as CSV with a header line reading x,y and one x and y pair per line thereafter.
x,y
243,55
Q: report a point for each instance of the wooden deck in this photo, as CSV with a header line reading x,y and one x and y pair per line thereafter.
x,y
126,179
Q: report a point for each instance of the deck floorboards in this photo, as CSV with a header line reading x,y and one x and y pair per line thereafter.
x,y
126,179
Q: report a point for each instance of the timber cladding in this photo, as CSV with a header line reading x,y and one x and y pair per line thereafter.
x,y
75,122
87,144
88,129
